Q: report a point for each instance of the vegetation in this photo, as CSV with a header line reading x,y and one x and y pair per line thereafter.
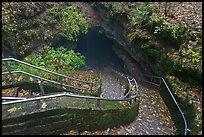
x,y
28,25
180,63
189,98
58,60
73,23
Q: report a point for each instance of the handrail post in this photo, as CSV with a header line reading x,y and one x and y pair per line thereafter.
x,y
97,102
100,87
100,82
160,83
8,68
60,80
91,87
130,101
41,88
17,90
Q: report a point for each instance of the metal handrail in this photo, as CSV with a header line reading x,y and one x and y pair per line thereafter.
x,y
162,80
186,127
48,71
69,95
92,97
130,87
12,98
44,79
65,94
137,88
129,78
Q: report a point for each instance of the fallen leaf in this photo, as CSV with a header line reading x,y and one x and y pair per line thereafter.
x,y
44,105
72,132
9,77
20,78
31,79
12,110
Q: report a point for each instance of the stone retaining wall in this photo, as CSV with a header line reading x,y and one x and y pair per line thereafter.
x,y
60,114
59,121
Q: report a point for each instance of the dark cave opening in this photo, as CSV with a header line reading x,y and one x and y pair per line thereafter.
x,y
97,49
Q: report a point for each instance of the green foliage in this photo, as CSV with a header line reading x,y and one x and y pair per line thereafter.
x,y
173,29
59,60
188,60
157,18
38,24
163,25
137,34
144,46
115,8
143,12
173,64
4,68
137,17
29,21
191,53
189,100
72,23
178,87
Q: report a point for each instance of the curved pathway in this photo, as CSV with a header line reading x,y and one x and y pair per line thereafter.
x,y
153,118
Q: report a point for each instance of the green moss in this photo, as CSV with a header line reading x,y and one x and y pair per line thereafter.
x,y
105,119
66,116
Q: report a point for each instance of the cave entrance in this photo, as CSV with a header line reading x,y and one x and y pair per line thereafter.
x,y
97,49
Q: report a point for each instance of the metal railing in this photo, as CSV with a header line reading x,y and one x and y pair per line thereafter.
x,y
132,82
153,80
10,72
135,96
169,99
44,79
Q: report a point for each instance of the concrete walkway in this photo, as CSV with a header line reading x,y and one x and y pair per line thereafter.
x,y
113,86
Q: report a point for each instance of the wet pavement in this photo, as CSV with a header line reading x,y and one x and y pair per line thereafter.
x,y
153,118
113,86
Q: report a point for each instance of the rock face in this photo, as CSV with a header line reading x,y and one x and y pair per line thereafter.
x,y
114,28
134,60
